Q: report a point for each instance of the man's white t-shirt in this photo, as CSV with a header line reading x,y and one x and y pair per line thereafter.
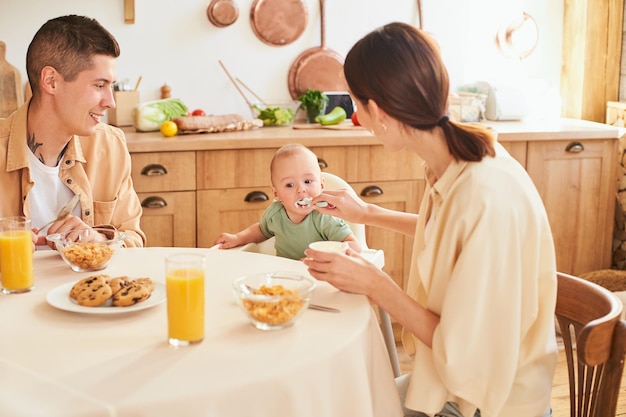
x,y
49,193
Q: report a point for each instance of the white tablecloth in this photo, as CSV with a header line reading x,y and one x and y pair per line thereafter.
x,y
60,363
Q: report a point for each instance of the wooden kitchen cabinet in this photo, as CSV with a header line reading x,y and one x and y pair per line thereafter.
x,y
395,195
577,183
165,183
208,177
229,210
169,218
229,200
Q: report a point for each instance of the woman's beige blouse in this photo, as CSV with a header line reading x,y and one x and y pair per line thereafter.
x,y
484,261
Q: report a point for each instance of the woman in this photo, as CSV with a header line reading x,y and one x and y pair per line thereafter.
x,y
479,307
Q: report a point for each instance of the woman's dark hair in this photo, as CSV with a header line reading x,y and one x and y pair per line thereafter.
x,y
67,44
400,68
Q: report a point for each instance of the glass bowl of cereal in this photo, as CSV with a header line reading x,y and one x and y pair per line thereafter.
x,y
89,249
273,300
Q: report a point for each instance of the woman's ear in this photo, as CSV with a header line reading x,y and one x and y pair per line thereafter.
x,y
377,115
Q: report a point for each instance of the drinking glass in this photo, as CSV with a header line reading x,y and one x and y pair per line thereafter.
x,y
184,282
16,255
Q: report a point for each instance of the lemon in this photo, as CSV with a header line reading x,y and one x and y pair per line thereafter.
x,y
169,129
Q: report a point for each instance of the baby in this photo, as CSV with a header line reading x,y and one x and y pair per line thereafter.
x,y
296,177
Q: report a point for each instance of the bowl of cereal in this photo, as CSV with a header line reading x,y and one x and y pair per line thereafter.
x,y
273,300
88,249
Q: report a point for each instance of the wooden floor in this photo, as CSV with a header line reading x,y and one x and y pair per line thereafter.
x,y
560,390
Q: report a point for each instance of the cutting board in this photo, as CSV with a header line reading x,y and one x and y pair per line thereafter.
x,y
11,95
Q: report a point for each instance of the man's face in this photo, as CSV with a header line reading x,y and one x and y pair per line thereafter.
x,y
82,103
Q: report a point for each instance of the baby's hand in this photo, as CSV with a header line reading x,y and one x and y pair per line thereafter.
x,y
227,241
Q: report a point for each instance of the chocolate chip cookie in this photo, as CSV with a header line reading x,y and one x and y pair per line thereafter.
x,y
132,294
92,291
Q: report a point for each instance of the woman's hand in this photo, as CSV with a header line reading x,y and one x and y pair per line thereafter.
x,y
348,272
343,204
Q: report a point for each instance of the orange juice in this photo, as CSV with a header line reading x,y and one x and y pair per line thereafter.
x,y
16,261
185,305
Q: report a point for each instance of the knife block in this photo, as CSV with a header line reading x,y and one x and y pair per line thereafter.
x,y
125,102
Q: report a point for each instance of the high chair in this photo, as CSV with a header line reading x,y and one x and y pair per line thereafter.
x,y
376,256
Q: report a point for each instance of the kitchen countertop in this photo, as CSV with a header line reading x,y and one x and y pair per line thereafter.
x,y
347,135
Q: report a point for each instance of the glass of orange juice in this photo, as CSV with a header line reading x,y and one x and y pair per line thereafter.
x,y
16,255
184,282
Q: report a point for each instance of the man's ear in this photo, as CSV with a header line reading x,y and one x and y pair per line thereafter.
x,y
48,79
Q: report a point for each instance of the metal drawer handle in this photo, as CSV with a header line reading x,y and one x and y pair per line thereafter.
x,y
371,191
153,202
153,170
256,197
575,147
323,165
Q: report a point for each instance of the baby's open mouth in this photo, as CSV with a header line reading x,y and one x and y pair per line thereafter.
x,y
303,202
306,202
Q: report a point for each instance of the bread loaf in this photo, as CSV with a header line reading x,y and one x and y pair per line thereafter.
x,y
210,124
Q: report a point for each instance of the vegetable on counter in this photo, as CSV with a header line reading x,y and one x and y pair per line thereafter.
x,y
313,102
150,115
336,116
275,116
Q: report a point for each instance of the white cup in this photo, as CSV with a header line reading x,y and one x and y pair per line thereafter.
x,y
329,246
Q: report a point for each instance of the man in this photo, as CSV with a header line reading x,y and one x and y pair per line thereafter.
x,y
55,146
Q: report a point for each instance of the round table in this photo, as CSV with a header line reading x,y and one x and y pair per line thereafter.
x,y
60,363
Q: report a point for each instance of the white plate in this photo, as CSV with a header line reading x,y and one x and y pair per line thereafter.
x,y
60,298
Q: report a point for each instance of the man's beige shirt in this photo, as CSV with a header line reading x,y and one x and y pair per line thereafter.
x,y
98,167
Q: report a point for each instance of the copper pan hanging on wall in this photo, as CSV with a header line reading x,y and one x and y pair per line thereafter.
x,y
222,13
318,68
278,22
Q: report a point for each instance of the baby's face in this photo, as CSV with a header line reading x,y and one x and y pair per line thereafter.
x,y
295,177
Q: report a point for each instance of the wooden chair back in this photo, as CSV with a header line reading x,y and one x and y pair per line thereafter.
x,y
595,343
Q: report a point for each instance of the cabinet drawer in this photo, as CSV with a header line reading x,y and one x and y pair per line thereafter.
x,y
234,168
169,219
161,171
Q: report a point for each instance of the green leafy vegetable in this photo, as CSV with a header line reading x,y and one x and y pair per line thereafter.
x,y
150,115
275,116
313,102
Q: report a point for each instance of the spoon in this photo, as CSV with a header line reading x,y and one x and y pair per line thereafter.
x,y
324,308
306,202
64,212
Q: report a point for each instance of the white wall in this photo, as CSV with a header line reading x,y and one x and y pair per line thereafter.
x,y
173,42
